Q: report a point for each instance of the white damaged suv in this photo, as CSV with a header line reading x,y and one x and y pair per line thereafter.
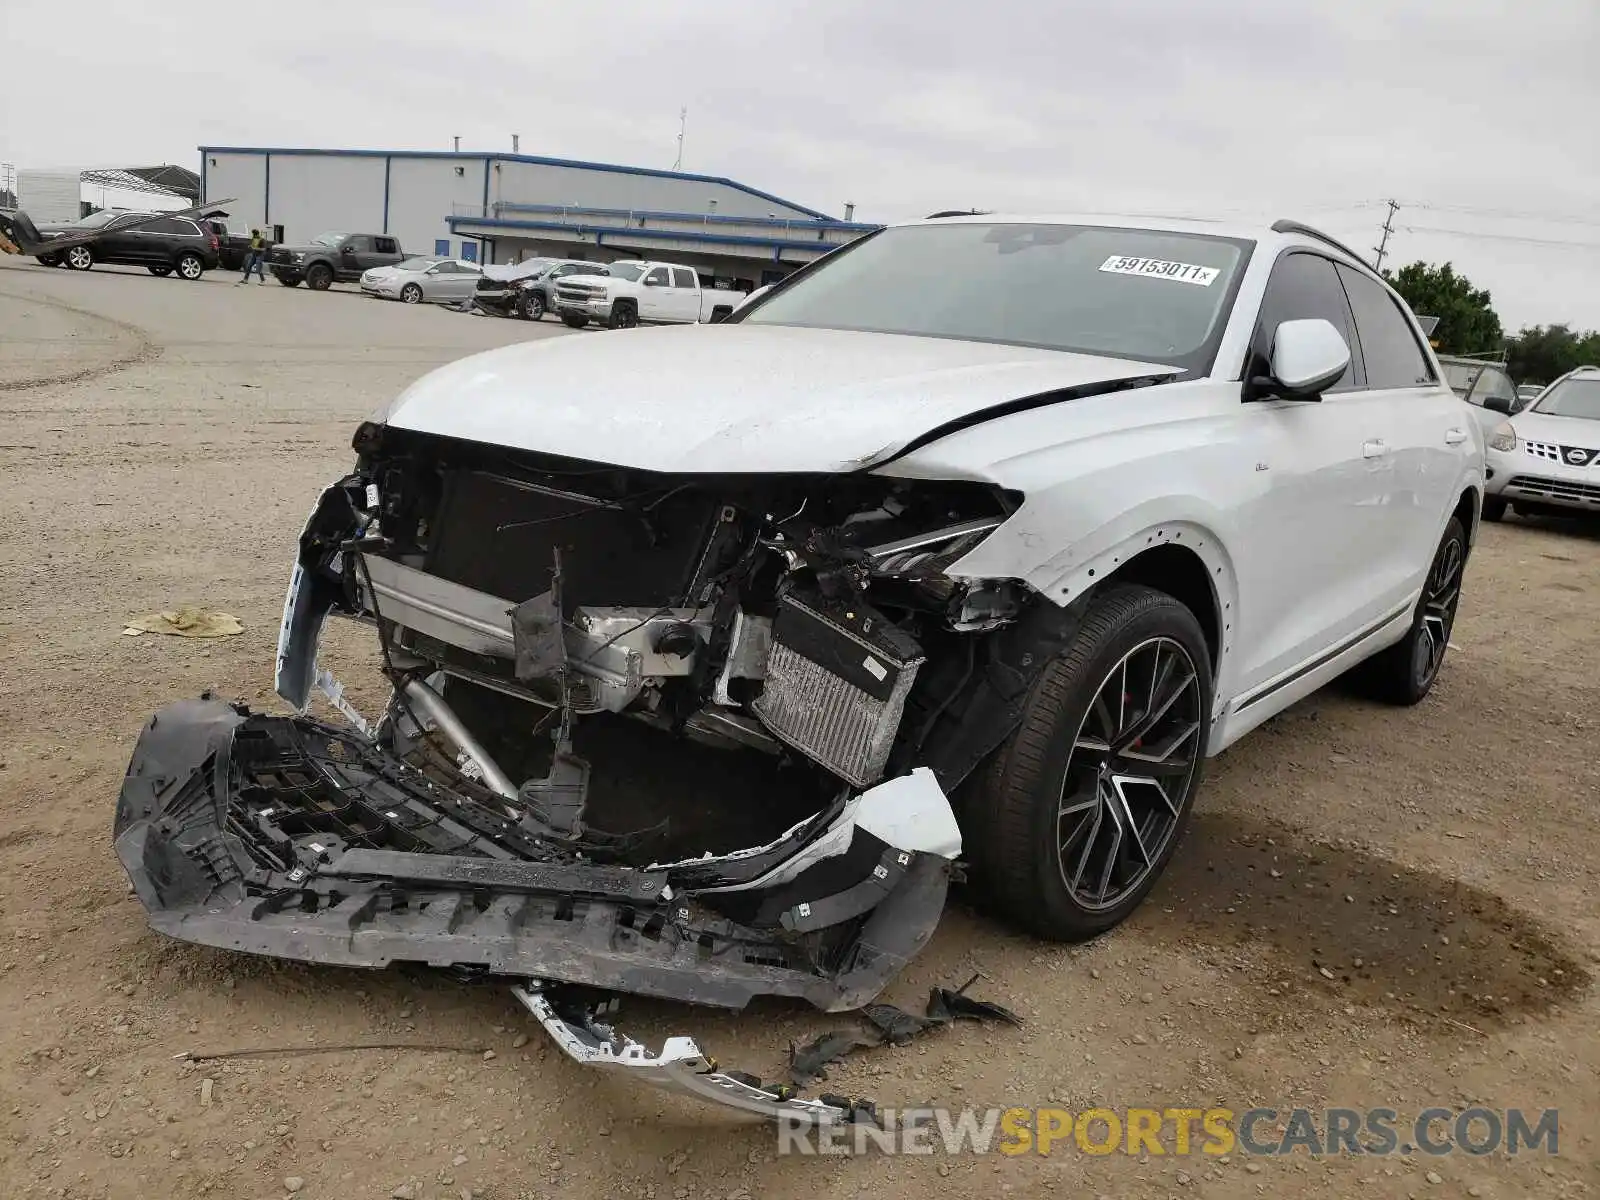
x,y
716,649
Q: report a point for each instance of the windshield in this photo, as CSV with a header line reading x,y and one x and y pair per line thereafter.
x,y
328,239
629,271
1144,294
1572,398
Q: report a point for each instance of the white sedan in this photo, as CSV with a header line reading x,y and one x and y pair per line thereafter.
x,y
423,280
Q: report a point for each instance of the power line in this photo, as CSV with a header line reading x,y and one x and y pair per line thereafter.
x,y
1500,237
1512,214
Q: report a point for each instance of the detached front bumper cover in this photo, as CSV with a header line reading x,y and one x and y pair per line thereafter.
x,y
292,838
680,1067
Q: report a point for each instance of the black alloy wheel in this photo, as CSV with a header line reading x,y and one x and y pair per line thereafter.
x,y
1128,775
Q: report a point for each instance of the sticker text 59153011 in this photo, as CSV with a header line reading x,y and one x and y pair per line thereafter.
x,y
1160,268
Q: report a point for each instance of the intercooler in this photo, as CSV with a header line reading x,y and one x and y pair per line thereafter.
x,y
836,684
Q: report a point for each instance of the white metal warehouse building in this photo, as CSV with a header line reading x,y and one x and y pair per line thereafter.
x,y
498,208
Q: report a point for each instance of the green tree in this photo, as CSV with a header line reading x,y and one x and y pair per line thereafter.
x,y
1540,354
1467,320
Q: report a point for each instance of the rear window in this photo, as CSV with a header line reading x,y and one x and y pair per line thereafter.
x,y
1151,295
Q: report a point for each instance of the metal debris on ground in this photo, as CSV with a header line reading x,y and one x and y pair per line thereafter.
x,y
891,1026
581,1032
186,622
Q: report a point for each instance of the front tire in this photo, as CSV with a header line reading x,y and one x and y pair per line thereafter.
x,y
411,294
1404,673
1494,508
1082,807
191,266
623,316
80,258
574,320
159,272
287,281
532,306
319,277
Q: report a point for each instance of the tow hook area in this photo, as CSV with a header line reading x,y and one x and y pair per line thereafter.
x,y
680,1067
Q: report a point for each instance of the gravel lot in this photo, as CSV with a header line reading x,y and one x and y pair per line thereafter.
x,y
1373,908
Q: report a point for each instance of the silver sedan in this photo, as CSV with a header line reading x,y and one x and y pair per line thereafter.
x,y
424,280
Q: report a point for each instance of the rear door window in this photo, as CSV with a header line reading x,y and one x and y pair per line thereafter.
x,y
682,277
387,245
1304,286
1393,356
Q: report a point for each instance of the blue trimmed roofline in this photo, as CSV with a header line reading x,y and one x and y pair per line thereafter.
x,y
535,159
624,233
710,218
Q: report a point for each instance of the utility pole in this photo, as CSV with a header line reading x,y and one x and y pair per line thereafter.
x,y
683,128
1388,228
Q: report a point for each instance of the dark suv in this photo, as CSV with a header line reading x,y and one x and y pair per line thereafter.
x,y
163,245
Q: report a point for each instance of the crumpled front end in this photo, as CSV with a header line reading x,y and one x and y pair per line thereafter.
x,y
680,736
299,840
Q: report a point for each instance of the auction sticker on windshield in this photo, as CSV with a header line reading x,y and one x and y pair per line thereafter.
x,y
1160,268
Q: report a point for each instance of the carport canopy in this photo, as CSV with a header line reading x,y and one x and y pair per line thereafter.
x,y
164,180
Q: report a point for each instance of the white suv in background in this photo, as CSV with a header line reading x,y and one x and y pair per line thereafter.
x,y
1546,458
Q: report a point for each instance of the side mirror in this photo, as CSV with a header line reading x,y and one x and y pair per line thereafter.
x,y
1499,404
652,283
1308,357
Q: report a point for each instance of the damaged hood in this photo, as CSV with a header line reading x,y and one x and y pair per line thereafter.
x,y
735,398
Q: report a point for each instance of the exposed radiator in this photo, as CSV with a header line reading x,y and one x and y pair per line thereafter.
x,y
836,685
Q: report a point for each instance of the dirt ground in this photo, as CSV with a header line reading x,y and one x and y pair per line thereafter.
x,y
1373,908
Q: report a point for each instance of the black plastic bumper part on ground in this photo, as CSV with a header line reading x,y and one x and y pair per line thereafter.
x,y
295,839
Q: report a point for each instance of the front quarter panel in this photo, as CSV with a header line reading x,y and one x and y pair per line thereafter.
x,y
1105,479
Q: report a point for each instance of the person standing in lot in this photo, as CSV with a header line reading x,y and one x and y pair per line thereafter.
x,y
256,258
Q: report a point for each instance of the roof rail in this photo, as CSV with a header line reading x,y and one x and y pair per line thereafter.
x,y
1288,226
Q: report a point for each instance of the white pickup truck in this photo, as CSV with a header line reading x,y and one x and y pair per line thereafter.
x,y
651,292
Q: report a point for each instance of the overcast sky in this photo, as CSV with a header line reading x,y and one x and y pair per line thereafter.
x,y
1478,115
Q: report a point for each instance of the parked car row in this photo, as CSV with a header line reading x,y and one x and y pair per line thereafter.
x,y
617,295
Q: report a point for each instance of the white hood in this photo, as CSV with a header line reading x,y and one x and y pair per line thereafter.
x,y
731,398
1563,431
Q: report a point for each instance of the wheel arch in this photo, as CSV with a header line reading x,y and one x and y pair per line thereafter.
x,y
1468,510
1182,571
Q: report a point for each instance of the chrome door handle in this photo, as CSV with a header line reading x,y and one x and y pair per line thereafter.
x,y
1454,437
1373,449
